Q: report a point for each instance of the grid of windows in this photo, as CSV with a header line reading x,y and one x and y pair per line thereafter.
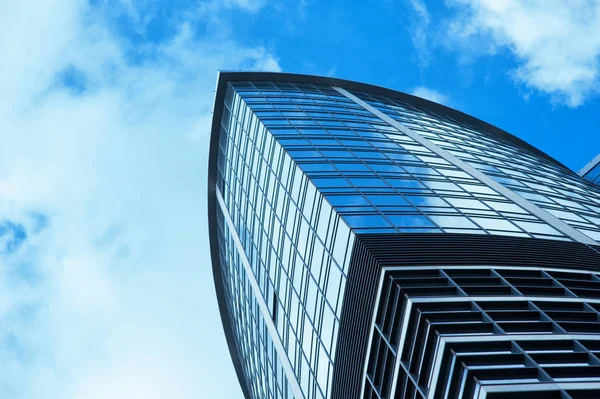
x,y
377,178
555,189
260,359
296,245
518,325
302,171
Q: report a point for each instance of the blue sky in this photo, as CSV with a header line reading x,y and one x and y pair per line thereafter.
x,y
105,280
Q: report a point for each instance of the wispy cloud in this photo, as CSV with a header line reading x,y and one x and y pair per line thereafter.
x,y
430,94
556,43
105,283
248,5
420,31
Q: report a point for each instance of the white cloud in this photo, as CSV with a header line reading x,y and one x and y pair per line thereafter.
x,y
430,94
248,5
114,298
556,42
420,30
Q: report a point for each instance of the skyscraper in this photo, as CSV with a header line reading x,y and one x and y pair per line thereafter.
x,y
591,171
368,243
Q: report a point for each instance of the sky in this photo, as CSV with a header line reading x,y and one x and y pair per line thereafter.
x,y
106,288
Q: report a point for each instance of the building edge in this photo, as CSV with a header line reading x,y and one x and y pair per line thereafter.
x,y
233,76
213,233
589,166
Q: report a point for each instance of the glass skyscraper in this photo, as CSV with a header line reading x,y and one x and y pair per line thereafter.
x,y
368,243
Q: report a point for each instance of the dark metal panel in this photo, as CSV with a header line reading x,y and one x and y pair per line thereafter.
x,y
357,312
373,252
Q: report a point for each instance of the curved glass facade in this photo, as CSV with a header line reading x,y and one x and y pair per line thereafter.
x,y
301,170
297,247
555,189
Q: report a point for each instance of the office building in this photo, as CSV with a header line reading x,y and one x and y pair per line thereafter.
x,y
369,243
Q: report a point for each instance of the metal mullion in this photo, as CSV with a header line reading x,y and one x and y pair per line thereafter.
x,y
541,371
559,284
401,342
550,219
384,339
266,199
594,358
410,377
344,175
371,334
514,289
488,317
559,329
397,302
453,283
260,302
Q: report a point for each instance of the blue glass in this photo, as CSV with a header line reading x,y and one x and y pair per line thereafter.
x,y
303,171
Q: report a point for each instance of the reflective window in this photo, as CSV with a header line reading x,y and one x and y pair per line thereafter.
x,y
545,183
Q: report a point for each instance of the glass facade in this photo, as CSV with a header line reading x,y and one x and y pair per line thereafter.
x,y
296,245
555,189
592,171
302,171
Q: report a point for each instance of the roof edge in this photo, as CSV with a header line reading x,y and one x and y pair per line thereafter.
x,y
589,166
230,76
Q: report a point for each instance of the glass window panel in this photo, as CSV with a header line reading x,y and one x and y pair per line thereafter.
x,y
504,207
595,235
356,210
333,285
566,215
388,168
495,224
348,200
405,183
324,216
297,154
351,167
537,228
454,173
410,221
316,167
366,221
438,185
355,143
338,153
331,182
421,200
421,170
325,142
401,156
477,189
466,203
434,160
366,182
452,222
534,197
369,155
388,200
